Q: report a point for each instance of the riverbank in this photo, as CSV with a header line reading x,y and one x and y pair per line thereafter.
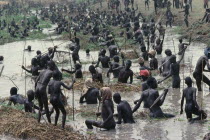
x,y
14,122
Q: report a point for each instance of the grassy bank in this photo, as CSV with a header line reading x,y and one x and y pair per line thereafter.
x,y
33,34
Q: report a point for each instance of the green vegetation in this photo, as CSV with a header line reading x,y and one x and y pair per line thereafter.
x,y
34,34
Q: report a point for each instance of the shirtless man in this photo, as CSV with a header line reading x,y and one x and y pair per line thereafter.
x,y
126,73
28,104
165,67
174,71
153,62
103,59
114,65
40,89
54,89
91,94
34,67
75,49
77,71
123,109
191,106
97,77
202,62
149,96
15,98
159,46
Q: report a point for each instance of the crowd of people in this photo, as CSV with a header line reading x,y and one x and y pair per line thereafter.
x,y
147,35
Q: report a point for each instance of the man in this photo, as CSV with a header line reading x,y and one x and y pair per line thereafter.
x,y
114,65
123,109
191,106
54,89
149,97
15,98
126,73
103,59
29,104
75,49
91,94
77,70
34,68
96,76
166,63
40,89
202,62
174,72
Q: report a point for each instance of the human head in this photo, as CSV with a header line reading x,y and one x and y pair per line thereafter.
x,y
71,48
13,91
87,51
128,64
50,50
117,98
103,52
116,58
106,93
180,40
207,52
1,58
158,41
144,74
173,59
152,82
92,69
51,65
152,53
29,48
56,76
141,61
78,66
77,40
168,52
88,83
30,95
143,49
38,52
188,81
33,61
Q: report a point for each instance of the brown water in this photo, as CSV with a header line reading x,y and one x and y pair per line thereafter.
x,y
176,128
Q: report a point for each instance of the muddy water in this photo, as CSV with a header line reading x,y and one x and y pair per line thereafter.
x,y
175,128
